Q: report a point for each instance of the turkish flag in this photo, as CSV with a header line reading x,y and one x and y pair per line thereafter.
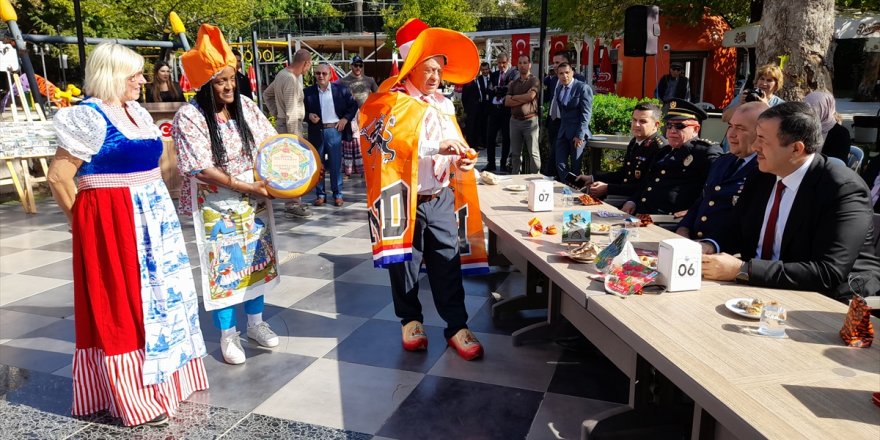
x,y
558,43
252,76
520,45
184,83
585,54
602,70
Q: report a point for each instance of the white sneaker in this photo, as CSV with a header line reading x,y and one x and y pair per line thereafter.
x,y
230,346
263,335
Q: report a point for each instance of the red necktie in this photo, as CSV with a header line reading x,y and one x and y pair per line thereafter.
x,y
770,230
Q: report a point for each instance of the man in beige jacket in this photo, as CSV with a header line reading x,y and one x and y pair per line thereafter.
x,y
284,100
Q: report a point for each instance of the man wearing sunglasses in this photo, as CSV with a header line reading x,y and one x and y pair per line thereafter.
x,y
329,110
680,169
674,85
359,84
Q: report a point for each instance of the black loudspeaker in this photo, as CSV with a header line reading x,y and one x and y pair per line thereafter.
x,y
640,30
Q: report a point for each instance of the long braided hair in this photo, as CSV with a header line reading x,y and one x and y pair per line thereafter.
x,y
207,104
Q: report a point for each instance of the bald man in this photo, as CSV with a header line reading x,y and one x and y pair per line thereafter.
x,y
711,218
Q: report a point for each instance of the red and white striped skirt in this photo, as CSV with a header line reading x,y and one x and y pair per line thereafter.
x,y
115,383
108,364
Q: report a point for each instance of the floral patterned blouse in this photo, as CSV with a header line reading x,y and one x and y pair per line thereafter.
x,y
190,133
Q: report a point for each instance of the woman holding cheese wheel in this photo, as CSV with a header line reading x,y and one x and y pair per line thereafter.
x,y
217,135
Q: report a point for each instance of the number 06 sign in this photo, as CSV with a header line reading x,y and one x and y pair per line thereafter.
x,y
678,262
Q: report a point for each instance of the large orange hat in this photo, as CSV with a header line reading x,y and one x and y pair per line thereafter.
x,y
462,58
209,56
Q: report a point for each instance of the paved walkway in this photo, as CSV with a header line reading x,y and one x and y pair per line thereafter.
x,y
339,371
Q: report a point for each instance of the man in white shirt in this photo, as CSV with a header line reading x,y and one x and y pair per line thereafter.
x,y
440,151
329,111
806,222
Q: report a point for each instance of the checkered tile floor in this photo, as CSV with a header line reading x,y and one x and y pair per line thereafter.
x,y
339,371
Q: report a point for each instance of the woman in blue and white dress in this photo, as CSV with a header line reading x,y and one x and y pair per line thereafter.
x,y
139,346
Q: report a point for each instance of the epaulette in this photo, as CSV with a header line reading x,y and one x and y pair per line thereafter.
x,y
702,142
659,140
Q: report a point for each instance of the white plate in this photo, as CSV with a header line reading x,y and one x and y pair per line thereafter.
x,y
731,305
515,188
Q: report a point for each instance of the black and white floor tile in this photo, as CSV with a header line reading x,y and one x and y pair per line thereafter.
x,y
339,371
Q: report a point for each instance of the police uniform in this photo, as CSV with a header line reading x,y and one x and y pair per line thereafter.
x,y
674,180
639,157
712,215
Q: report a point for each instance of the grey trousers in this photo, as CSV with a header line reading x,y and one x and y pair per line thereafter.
x,y
524,135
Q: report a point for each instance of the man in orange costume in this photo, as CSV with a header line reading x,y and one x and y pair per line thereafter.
x,y
411,144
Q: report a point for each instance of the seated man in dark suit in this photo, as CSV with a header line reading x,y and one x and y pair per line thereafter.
x,y
674,179
807,223
640,154
329,110
711,219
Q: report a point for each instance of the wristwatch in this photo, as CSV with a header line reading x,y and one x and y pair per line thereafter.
x,y
742,277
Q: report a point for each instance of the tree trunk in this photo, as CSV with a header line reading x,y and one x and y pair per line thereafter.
x,y
802,30
870,78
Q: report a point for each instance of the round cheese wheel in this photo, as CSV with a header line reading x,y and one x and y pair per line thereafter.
x,y
289,164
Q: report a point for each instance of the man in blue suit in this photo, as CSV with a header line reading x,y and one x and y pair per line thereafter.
x,y
552,123
574,100
712,218
329,111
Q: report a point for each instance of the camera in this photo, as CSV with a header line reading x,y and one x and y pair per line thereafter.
x,y
752,95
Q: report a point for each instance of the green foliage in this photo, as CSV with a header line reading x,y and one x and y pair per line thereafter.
x,y
134,19
864,5
150,19
451,14
497,8
601,18
612,113
269,9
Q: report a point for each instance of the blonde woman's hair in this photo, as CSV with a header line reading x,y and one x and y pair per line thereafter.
x,y
107,71
770,71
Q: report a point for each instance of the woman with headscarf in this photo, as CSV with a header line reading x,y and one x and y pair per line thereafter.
x,y
139,346
217,135
837,139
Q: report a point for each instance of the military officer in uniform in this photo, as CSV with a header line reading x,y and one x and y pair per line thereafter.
x,y
675,179
646,142
712,219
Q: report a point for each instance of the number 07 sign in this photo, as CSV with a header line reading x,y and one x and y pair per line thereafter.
x,y
678,262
